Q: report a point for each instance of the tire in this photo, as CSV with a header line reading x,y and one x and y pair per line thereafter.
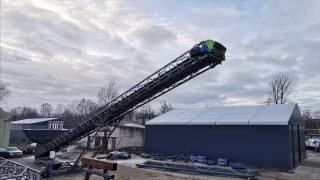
x,y
45,174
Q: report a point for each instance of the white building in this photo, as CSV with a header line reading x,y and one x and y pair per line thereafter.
x,y
127,135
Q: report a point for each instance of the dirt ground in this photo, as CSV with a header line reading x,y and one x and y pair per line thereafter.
x,y
309,169
128,173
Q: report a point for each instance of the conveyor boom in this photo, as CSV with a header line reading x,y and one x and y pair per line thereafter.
x,y
165,79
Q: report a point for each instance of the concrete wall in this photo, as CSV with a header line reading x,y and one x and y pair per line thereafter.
x,y
126,137
5,126
264,146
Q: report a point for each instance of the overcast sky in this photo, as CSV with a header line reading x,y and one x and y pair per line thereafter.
x,y
59,51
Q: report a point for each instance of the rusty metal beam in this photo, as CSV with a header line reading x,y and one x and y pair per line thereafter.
x,y
99,163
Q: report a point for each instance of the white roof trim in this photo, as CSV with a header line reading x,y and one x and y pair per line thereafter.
x,y
32,121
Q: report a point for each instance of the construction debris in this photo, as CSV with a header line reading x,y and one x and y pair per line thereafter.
x,y
201,159
211,162
97,163
144,155
118,155
251,175
236,165
222,162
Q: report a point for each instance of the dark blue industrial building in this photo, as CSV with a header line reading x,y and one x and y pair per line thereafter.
x,y
17,127
267,136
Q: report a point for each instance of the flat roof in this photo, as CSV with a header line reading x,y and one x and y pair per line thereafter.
x,y
131,124
278,114
32,121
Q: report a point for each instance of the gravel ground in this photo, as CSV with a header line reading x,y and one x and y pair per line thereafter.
x,y
128,173
310,170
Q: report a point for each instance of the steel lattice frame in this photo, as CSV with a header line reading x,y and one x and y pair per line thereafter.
x,y
175,73
12,170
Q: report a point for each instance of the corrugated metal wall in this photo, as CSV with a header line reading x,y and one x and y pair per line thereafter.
x,y
262,145
302,141
44,125
69,124
18,135
40,125
296,138
293,140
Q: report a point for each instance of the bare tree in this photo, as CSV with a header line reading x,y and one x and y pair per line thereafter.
x,y
280,89
77,110
81,107
5,92
24,112
130,116
91,106
307,113
145,113
46,110
108,92
59,109
67,114
316,114
150,112
16,113
165,107
85,107
73,107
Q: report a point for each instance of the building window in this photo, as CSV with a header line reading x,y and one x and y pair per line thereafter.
x,y
55,125
16,126
314,126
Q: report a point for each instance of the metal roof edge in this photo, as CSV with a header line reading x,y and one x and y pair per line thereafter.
x,y
269,123
231,123
178,123
25,121
292,112
150,121
202,123
256,113
156,123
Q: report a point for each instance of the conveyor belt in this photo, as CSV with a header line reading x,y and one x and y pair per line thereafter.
x,y
165,79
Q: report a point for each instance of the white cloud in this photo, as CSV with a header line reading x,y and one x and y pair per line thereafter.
x,y
57,51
